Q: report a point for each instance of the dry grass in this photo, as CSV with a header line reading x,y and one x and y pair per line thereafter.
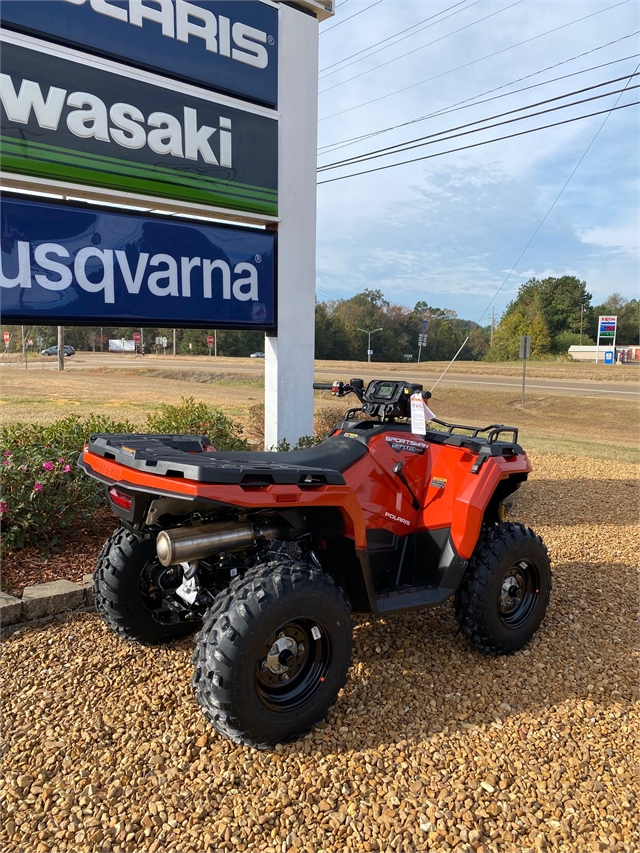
x,y
587,426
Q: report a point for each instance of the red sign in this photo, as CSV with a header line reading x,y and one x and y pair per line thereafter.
x,y
136,337
7,337
210,341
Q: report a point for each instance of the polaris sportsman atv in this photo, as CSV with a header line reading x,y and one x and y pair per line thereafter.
x,y
269,552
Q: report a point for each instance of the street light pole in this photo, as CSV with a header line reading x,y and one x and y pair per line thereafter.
x,y
367,332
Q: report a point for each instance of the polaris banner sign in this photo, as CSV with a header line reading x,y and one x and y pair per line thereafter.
x,y
102,126
224,45
75,265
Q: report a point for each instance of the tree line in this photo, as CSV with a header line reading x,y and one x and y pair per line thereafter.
x,y
555,312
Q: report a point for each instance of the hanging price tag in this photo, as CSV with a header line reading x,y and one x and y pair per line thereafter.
x,y
421,414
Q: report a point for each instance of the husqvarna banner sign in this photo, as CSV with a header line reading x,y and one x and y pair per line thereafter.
x,y
225,45
68,121
73,265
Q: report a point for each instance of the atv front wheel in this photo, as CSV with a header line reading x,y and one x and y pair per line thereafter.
x,y
273,653
128,590
504,595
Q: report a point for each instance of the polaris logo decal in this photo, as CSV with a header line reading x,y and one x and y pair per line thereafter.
x,y
225,45
397,518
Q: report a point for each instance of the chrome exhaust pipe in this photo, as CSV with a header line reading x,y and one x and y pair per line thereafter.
x,y
186,544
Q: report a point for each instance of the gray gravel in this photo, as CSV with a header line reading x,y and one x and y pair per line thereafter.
x,y
431,746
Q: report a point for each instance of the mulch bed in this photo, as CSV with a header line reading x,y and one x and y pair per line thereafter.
x,y
75,556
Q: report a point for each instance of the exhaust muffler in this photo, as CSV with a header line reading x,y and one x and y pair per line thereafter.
x,y
186,544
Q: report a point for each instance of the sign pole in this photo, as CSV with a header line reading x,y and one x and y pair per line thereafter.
x,y
60,347
525,352
289,356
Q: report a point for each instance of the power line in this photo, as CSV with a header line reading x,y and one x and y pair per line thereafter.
x,y
355,15
478,144
422,47
423,140
566,184
472,101
382,41
474,61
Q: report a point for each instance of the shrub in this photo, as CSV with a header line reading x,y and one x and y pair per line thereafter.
x,y
193,418
43,491
324,422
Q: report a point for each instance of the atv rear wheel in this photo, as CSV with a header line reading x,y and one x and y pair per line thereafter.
x,y
504,595
127,593
273,653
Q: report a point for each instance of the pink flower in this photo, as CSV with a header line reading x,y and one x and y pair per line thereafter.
x,y
60,458
48,466
7,453
67,468
6,462
37,487
3,506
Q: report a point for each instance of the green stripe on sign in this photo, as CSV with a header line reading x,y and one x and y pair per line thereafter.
x,y
42,160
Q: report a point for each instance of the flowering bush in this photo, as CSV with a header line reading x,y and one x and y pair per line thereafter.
x,y
43,491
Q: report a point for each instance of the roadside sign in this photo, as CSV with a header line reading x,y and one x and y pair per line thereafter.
x,y
224,45
85,266
607,327
29,342
39,340
7,337
210,340
190,346
136,337
608,356
370,352
193,147
424,325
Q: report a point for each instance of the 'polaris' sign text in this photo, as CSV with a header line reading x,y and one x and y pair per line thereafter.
x,y
89,125
220,44
83,266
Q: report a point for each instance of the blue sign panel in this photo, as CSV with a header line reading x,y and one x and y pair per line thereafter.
x,y
77,265
220,44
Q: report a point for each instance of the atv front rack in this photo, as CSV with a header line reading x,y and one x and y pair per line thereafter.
x,y
494,430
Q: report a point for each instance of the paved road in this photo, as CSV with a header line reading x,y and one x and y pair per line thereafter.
x,y
567,387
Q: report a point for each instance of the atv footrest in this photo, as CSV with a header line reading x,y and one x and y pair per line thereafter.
x,y
404,599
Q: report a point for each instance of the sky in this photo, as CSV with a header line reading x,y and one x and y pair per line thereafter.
x,y
450,229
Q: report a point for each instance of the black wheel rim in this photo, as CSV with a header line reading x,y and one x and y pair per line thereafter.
x,y
518,593
293,664
157,583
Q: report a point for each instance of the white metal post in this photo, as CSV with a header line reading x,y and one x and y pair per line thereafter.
x,y
288,385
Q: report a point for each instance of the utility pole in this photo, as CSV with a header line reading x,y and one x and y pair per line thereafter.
x,y
581,320
367,332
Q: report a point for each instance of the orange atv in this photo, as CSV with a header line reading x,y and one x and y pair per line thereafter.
x,y
269,552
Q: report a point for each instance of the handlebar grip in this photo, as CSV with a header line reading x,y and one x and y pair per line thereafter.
x,y
323,386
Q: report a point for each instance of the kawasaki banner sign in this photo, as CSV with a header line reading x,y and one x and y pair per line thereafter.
x,y
75,265
221,44
107,126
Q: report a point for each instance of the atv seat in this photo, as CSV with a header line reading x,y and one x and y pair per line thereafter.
x,y
182,456
337,454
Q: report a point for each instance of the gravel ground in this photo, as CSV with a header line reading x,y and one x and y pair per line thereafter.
x,y
431,746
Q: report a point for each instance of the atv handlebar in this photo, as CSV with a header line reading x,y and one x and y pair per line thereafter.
x,y
323,386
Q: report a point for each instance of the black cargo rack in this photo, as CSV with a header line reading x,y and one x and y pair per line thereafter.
x,y
494,430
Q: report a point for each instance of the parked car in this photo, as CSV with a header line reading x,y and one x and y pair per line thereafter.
x,y
68,350
257,355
